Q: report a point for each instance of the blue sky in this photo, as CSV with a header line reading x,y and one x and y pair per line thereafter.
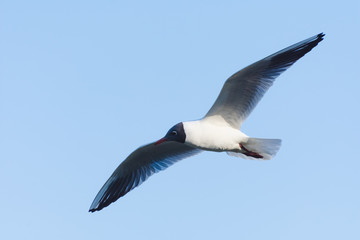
x,y
82,84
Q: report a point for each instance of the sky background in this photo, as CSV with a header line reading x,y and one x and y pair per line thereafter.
x,y
84,83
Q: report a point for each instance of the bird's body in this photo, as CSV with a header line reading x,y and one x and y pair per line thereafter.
x,y
217,131
214,134
211,135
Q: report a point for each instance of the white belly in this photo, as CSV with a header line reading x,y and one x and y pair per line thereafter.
x,y
207,136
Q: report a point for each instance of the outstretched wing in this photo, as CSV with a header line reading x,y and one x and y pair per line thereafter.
x,y
137,167
243,90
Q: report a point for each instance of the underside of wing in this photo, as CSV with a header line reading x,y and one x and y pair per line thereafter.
x,y
243,90
137,167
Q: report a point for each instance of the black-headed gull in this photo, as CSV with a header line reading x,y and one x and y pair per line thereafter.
x,y
218,131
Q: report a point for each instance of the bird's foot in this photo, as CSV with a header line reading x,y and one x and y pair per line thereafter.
x,y
249,153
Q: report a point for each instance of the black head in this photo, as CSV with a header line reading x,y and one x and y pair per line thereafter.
x,y
176,133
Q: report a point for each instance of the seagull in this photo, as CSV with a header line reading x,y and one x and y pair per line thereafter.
x,y
217,131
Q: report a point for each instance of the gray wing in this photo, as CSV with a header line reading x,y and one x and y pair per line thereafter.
x,y
137,167
243,90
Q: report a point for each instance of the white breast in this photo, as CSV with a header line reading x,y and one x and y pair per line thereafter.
x,y
213,137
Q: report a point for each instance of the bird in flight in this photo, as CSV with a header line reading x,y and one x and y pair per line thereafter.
x,y
217,131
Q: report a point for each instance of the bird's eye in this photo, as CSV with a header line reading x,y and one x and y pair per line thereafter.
x,y
174,133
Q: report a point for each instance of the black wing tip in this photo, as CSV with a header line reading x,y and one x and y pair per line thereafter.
x,y
285,58
308,44
320,37
107,198
100,205
94,209
312,43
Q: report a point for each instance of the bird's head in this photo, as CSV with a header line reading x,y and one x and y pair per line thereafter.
x,y
176,133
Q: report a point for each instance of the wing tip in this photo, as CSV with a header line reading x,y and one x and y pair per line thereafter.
x,y
95,207
100,205
92,210
310,43
320,37
283,59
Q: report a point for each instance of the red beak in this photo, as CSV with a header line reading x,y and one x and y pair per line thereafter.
x,y
160,141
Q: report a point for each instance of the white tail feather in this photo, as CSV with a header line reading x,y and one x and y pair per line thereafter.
x,y
267,148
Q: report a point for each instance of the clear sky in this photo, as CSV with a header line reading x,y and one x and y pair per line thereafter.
x,y
84,83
